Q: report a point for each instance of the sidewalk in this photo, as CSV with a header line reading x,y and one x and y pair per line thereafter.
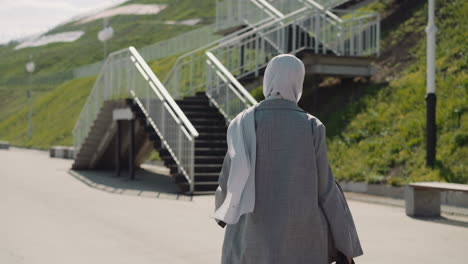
x,y
53,215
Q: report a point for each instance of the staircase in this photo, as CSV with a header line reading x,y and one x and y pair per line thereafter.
x,y
210,145
185,116
99,137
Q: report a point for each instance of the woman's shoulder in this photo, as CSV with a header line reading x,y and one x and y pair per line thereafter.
x,y
246,114
314,120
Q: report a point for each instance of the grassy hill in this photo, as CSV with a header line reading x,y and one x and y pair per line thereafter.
x,y
53,59
376,128
136,30
55,114
380,135
49,107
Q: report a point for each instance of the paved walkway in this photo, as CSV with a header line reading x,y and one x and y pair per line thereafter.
x,y
50,214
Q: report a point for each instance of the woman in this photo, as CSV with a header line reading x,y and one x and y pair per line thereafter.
x,y
276,192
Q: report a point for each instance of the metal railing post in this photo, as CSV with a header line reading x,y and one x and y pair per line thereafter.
x,y
256,55
342,40
192,165
179,145
191,73
351,37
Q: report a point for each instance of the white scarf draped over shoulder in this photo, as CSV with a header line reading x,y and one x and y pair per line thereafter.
x,y
240,193
284,77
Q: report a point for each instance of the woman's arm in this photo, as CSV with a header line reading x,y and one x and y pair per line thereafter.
x,y
220,193
332,200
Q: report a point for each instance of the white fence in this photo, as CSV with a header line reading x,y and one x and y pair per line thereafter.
x,y
179,44
231,13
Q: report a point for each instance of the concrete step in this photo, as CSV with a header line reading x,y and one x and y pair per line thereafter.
x,y
200,177
198,160
214,129
212,136
194,101
200,122
214,115
201,183
195,98
210,143
198,108
215,159
100,126
210,151
202,168
208,188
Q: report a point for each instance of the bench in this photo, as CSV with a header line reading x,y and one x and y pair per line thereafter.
x,y
423,198
4,145
62,152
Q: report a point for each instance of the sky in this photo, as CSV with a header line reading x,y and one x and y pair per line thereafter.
x,y
22,18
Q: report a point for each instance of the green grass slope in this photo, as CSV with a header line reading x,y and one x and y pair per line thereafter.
x,y
55,59
380,137
54,113
52,59
54,116
138,31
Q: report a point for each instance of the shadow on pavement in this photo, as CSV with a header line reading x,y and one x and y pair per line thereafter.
x,y
445,220
147,183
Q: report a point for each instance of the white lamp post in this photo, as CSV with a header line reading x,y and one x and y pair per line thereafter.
x,y
30,67
431,128
104,35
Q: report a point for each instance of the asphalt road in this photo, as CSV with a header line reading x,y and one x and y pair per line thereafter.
x,y
52,215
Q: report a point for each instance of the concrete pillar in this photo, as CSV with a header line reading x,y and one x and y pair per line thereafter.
x,y
131,151
4,145
422,202
117,149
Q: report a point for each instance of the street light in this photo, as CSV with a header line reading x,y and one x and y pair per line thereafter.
x,y
30,67
104,35
431,30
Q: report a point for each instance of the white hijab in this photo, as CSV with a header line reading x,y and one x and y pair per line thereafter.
x,y
284,77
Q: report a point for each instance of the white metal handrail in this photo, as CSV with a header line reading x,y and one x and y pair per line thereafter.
x,y
249,52
293,34
100,92
230,13
341,35
125,74
188,73
243,55
181,43
318,6
222,87
286,6
272,10
169,47
224,90
329,4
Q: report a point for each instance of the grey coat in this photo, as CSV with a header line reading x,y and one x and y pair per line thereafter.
x,y
300,215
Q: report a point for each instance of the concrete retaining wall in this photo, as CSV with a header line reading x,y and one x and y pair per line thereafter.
x,y
451,198
62,152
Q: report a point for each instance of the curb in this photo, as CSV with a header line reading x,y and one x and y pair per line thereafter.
x,y
447,198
